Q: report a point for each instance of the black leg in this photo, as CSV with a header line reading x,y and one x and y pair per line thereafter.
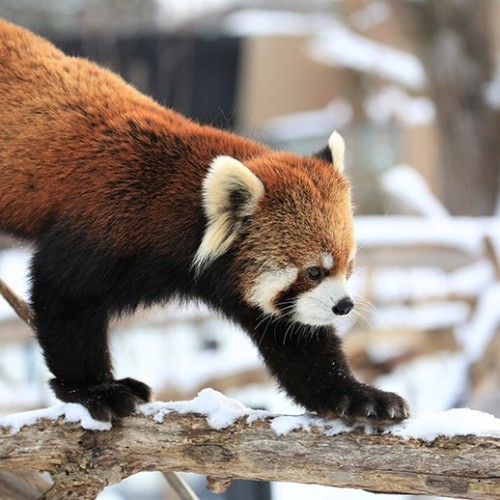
x,y
71,327
311,366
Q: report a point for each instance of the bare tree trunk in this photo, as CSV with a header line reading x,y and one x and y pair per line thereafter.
x,y
454,40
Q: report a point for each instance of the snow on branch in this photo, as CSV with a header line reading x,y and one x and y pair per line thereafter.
x,y
222,439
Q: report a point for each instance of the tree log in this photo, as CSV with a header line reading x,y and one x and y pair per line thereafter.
x,y
83,462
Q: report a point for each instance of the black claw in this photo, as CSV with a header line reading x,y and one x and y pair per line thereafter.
x,y
369,405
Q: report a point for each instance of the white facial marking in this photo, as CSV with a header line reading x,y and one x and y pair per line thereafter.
x,y
327,260
315,306
268,285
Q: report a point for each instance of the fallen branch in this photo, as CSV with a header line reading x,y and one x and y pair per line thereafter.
x,y
83,462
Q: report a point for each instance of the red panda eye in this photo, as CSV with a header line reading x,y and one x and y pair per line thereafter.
x,y
314,273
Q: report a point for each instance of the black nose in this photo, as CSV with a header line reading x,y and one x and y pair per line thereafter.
x,y
343,306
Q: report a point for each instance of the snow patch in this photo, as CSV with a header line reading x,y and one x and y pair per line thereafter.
x,y
409,187
319,122
393,284
340,46
455,422
71,413
283,424
450,423
260,22
221,412
394,103
332,43
463,233
421,317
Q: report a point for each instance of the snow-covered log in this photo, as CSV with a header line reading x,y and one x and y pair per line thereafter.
x,y
222,439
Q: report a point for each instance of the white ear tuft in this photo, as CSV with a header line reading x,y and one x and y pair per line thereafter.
x,y
337,147
230,192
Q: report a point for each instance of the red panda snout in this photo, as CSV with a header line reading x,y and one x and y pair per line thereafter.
x,y
293,294
321,304
343,306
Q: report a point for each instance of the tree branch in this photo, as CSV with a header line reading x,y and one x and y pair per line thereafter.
x,y
82,462
17,303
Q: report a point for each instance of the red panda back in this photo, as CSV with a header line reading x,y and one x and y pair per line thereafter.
x,y
75,138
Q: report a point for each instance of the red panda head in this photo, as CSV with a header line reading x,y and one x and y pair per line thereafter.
x,y
289,221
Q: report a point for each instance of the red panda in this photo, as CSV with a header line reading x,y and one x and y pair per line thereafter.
x,y
129,203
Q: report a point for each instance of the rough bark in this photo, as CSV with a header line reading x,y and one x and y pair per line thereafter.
x,y
83,462
453,38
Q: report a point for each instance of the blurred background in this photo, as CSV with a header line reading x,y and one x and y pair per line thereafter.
x,y
414,87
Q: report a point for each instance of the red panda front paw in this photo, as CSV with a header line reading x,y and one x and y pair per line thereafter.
x,y
107,400
368,405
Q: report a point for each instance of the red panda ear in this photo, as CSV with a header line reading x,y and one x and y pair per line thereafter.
x,y
337,147
230,193
334,152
